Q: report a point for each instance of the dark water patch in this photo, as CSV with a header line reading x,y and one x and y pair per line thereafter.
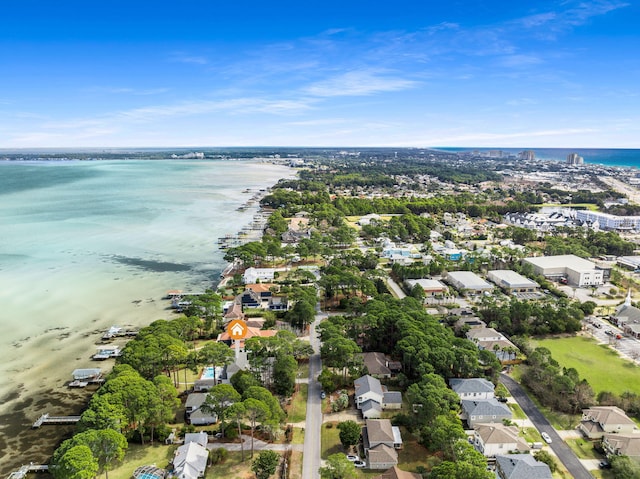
x,y
36,445
152,265
18,177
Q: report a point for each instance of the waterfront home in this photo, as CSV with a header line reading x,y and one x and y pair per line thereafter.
x,y
253,275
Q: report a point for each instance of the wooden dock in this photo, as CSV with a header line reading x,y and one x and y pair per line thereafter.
x,y
46,419
24,470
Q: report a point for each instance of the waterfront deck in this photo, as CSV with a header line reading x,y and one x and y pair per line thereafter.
x,y
47,419
24,470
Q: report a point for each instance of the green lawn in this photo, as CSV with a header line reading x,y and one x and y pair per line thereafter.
x,y
597,363
138,455
297,411
583,449
330,440
517,411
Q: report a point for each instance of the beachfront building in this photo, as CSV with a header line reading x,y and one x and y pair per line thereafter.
x,y
576,271
512,282
468,283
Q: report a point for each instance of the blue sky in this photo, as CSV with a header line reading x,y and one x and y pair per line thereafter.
x,y
319,73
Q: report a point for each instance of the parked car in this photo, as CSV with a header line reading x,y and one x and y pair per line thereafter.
x,y
604,465
546,437
353,457
360,464
501,399
322,395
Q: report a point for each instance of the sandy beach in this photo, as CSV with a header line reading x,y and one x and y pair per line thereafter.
x,y
66,280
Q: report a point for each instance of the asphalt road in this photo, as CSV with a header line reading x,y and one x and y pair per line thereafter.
x,y
311,454
564,453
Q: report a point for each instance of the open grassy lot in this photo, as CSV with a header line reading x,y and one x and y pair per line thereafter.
x,y
517,411
138,455
597,363
297,410
330,440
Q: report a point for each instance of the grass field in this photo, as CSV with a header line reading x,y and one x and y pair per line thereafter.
x,y
297,410
597,363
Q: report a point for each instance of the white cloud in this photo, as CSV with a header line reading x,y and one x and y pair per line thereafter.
x,y
358,83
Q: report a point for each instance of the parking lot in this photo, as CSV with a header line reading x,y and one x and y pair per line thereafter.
x,y
607,333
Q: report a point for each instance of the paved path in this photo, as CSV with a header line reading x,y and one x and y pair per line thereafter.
x,y
311,455
564,453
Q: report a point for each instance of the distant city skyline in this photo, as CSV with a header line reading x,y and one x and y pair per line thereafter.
x,y
118,74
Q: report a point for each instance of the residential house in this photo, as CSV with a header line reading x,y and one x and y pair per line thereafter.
x,y
380,441
251,332
377,364
491,340
190,461
622,445
194,414
396,473
495,438
598,420
201,438
253,275
521,466
372,398
484,411
473,388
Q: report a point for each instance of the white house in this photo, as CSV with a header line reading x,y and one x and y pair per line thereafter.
x,y
472,388
493,439
190,461
255,275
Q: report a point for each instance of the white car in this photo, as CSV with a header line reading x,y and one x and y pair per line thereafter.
x,y
546,437
360,464
352,457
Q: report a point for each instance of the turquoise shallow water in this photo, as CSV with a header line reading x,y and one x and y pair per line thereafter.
x,y
628,158
89,244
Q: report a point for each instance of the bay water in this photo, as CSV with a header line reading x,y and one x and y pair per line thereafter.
x,y
85,245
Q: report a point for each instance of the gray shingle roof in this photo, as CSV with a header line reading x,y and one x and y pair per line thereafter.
x,y
486,408
521,466
367,384
472,385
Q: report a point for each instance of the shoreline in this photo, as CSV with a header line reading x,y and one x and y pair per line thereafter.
x,y
41,378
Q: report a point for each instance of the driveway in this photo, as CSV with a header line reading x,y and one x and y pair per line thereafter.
x,y
564,453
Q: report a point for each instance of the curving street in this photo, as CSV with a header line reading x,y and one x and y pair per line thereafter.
x,y
564,453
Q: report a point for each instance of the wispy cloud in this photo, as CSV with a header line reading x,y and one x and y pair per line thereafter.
x,y
181,57
127,90
549,24
358,83
522,102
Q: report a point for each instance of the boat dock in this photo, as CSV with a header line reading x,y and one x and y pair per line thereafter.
x,y
24,470
46,419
